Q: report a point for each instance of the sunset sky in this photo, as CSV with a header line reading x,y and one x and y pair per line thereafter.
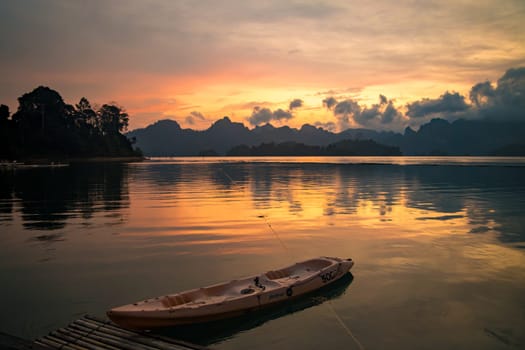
x,y
382,64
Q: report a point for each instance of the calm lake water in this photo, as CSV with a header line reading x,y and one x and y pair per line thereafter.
x,y
439,246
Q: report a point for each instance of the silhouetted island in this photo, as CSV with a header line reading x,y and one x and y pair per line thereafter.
x,y
341,148
45,127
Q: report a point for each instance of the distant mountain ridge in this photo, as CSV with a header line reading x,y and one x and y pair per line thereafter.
x,y
438,137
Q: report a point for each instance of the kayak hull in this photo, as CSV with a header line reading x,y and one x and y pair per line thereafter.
x,y
233,298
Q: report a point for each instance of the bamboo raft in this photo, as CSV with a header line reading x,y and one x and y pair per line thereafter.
x,y
92,333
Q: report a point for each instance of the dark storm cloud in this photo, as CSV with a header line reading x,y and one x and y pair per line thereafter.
x,y
446,104
194,117
513,76
343,111
330,126
390,114
280,114
265,115
329,102
481,94
349,112
368,114
347,107
383,112
296,103
504,102
511,87
510,90
260,115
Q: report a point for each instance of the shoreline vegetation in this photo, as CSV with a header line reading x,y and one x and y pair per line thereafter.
x,y
57,161
341,148
46,130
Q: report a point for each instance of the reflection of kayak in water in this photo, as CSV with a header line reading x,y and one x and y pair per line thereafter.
x,y
232,298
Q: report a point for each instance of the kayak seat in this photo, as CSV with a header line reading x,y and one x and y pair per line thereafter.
x,y
296,271
175,300
248,290
315,264
273,275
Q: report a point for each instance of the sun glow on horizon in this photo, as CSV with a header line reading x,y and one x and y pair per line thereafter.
x,y
181,58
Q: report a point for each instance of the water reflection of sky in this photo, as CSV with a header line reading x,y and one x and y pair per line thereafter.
x,y
438,248
196,197
431,199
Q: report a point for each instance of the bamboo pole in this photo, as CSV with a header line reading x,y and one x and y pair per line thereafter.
x,y
58,343
105,338
84,342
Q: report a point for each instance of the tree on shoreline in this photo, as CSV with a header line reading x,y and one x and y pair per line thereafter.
x,y
45,126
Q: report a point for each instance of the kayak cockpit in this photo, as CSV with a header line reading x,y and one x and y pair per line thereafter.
x,y
219,293
176,300
215,294
300,270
